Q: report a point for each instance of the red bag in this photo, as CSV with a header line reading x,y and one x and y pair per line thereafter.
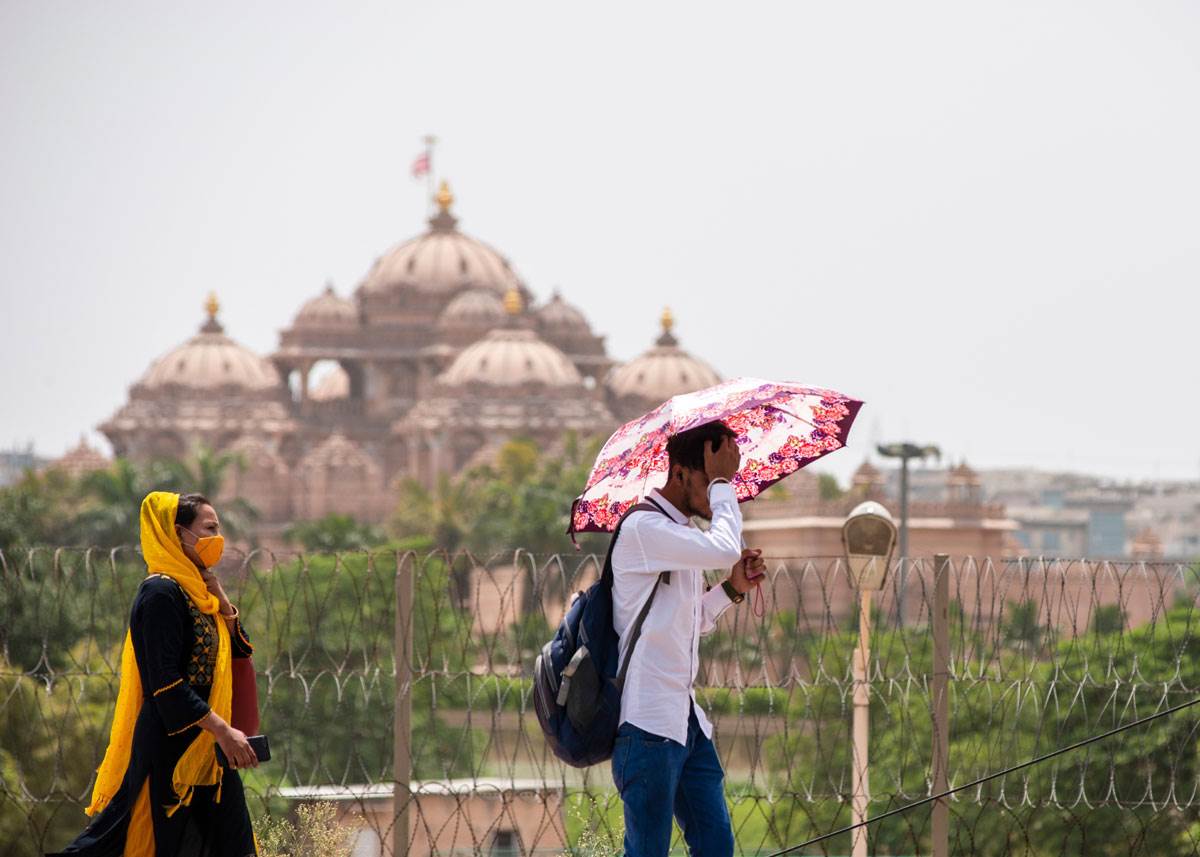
x,y
245,696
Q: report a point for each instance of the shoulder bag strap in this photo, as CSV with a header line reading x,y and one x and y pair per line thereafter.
x,y
636,631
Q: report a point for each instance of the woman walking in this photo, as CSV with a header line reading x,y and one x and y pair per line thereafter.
x,y
160,791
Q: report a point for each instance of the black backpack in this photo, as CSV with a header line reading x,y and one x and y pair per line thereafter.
x,y
576,681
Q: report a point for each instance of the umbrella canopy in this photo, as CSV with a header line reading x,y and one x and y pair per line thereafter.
x,y
780,429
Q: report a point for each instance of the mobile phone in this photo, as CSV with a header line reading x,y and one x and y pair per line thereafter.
x,y
258,743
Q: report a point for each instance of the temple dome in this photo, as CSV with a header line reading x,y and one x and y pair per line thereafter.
x,y
473,308
441,261
211,361
664,371
334,385
558,315
512,357
326,310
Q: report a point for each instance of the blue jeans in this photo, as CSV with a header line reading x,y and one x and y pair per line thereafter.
x,y
658,778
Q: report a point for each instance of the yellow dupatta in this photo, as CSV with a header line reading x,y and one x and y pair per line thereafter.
x,y
197,766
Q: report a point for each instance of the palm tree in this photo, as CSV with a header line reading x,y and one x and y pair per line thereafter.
x,y
113,500
204,472
446,514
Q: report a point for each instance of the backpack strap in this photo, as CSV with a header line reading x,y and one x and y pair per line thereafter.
x,y
663,578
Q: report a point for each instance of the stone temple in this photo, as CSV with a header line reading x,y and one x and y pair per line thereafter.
x,y
440,355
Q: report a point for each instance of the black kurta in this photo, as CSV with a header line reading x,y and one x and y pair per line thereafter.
x,y
176,649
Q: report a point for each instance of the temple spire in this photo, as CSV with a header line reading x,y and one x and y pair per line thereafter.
x,y
514,304
667,320
443,221
212,306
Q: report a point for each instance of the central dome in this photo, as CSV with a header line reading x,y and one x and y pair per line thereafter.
x,y
442,261
512,357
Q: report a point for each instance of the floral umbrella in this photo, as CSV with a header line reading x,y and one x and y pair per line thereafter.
x,y
780,428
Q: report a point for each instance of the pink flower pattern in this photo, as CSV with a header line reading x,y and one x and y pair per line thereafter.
x,y
780,429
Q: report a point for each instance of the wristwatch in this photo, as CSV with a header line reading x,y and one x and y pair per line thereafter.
x,y
734,596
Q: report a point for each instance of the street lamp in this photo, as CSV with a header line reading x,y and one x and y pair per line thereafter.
x,y
868,540
905,452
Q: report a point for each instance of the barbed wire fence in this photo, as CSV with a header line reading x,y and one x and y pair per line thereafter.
x,y
1042,653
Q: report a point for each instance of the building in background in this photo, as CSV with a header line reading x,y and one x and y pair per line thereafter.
x,y
15,462
440,355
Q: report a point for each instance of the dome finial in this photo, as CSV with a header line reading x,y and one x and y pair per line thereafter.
x,y
667,320
444,197
513,302
443,221
212,306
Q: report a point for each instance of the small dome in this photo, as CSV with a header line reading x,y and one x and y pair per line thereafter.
x,y
327,310
964,474
442,261
664,371
511,357
473,308
867,472
209,361
80,460
559,315
334,385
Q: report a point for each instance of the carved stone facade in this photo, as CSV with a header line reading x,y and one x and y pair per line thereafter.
x,y
440,355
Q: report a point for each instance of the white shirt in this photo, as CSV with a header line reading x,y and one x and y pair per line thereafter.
x,y
658,685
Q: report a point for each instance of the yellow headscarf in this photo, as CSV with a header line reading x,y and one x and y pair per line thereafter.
x,y
198,766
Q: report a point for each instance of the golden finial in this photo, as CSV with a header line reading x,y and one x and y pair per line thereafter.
x,y
668,320
212,306
513,304
444,197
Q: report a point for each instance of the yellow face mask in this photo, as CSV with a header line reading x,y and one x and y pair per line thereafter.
x,y
208,548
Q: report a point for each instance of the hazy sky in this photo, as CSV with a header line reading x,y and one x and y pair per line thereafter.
x,y
982,219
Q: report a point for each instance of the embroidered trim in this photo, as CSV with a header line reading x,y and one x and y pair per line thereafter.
x,y
242,636
190,725
177,681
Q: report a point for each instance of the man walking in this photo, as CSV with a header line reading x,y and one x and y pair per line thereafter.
x,y
664,762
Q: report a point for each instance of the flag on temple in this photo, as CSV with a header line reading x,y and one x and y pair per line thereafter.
x,y
420,166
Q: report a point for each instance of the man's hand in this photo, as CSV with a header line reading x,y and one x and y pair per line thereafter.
x,y
723,461
748,572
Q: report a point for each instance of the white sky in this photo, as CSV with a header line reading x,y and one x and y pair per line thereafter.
x,y
983,220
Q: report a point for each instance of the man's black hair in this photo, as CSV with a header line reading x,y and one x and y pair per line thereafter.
x,y
189,508
687,448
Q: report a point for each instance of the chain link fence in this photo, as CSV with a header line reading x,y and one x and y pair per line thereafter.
x,y
1042,653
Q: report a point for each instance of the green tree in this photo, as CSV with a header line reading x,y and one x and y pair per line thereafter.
x,y
334,533
1108,619
39,509
111,501
828,487
445,514
206,472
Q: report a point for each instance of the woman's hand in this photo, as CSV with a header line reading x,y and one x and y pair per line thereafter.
x,y
232,741
236,748
215,588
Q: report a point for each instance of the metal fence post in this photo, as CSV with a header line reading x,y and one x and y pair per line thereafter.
x,y
940,703
402,723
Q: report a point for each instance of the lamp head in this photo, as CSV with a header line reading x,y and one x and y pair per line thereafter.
x,y
868,539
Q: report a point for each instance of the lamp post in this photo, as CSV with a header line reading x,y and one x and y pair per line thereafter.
x,y
905,452
868,540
